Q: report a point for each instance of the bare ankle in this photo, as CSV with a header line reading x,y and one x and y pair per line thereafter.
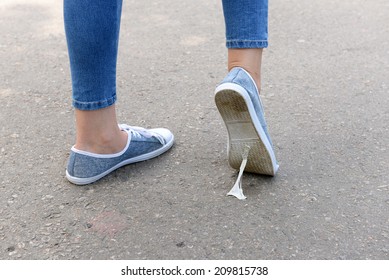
x,y
98,131
248,59
103,143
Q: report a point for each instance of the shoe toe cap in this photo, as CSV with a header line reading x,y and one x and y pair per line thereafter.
x,y
165,133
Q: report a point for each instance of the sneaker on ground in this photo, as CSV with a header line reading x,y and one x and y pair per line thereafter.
x,y
142,144
249,144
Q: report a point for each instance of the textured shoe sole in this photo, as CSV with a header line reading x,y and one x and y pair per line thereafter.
x,y
153,154
244,129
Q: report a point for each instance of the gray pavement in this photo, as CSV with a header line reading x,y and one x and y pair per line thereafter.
x,y
325,91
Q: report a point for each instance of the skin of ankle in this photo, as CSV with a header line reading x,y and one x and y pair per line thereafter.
x,y
248,59
98,131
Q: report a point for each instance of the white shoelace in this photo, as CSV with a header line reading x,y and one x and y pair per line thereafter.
x,y
140,131
237,190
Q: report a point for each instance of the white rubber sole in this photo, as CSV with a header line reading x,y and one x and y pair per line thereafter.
x,y
153,154
244,129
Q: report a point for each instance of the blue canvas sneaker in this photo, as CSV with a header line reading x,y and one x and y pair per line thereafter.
x,y
249,145
142,144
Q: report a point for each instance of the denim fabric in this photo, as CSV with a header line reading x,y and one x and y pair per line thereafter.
x,y
240,77
246,23
92,33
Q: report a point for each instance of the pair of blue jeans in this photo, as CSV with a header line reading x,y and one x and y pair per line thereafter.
x,y
92,33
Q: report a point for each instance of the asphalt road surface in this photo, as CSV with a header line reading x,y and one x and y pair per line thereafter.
x,y
325,92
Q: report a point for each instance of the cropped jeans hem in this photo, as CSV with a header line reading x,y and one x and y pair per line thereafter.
x,y
96,105
246,44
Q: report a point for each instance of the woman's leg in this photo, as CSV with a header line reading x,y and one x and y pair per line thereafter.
x,y
92,33
246,34
102,146
237,97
